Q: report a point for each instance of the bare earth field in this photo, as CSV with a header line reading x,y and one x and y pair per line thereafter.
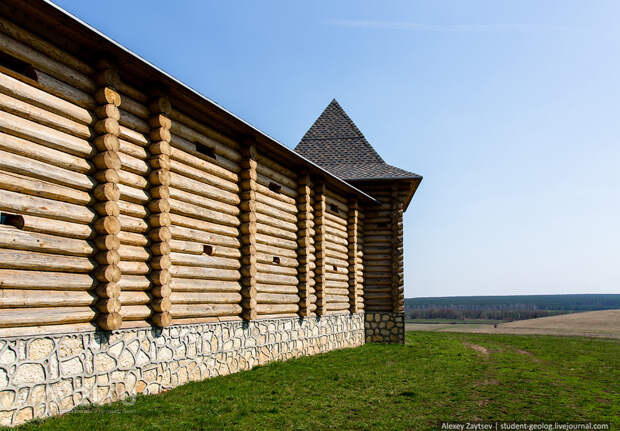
x,y
603,324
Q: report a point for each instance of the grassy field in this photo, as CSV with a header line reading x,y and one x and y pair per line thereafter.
x,y
435,377
604,324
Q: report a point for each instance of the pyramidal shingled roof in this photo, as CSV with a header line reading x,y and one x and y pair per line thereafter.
x,y
335,143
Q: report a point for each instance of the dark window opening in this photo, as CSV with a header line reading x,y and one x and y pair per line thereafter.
x,y
208,250
335,268
17,66
12,220
275,187
334,208
207,151
381,225
276,260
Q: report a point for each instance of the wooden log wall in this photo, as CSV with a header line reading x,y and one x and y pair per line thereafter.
x,y
121,209
46,187
107,193
135,283
359,274
276,240
204,210
319,207
397,202
159,220
305,246
378,254
336,288
248,229
355,257
383,249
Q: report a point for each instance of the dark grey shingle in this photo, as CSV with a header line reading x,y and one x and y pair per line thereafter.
x,y
335,143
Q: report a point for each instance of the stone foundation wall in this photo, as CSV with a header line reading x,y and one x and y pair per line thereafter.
x,y
46,375
384,327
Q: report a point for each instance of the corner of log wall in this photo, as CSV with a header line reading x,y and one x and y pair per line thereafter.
x,y
304,216
352,229
319,245
159,206
397,250
247,189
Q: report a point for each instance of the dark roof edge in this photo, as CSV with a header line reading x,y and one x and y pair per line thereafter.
x,y
414,187
415,183
186,87
414,177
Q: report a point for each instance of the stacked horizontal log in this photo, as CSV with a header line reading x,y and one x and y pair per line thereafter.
x,y
354,260
305,247
276,240
107,193
359,257
46,188
135,201
205,220
398,298
378,280
320,248
248,229
336,253
159,219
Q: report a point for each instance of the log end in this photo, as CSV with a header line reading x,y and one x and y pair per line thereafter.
x,y
162,319
109,321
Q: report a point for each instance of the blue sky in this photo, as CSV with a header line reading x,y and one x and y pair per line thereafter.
x,y
509,109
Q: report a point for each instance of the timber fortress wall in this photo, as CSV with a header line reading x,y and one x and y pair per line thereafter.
x,y
141,247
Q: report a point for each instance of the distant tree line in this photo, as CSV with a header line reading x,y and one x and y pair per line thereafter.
x,y
470,314
507,308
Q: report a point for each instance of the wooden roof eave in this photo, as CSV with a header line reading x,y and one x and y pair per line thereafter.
x,y
414,183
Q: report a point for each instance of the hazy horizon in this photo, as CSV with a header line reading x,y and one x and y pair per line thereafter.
x,y
510,110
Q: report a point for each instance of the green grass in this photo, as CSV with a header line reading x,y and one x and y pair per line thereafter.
x,y
435,377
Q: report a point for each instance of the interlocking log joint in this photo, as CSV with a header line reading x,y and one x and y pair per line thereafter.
x,y
398,299
352,231
106,193
247,190
159,206
304,238
320,246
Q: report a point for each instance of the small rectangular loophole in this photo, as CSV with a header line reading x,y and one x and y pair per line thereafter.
x,y
276,260
381,225
12,220
208,250
207,151
334,208
274,187
335,268
17,66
